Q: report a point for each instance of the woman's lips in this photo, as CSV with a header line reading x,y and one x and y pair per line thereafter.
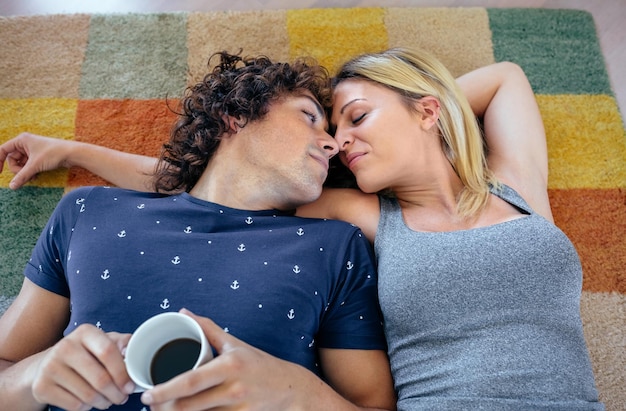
x,y
353,158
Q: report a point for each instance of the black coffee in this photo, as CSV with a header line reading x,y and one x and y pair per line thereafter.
x,y
175,357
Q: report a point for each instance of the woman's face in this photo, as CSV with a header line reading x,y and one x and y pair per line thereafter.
x,y
378,135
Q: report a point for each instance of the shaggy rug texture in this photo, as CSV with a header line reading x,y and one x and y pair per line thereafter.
x,y
104,79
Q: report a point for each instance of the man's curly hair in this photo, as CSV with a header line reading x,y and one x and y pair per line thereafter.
x,y
243,88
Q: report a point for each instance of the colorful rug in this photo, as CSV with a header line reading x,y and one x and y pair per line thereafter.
x,y
104,78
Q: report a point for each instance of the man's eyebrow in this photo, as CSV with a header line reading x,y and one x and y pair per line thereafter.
x,y
318,106
348,103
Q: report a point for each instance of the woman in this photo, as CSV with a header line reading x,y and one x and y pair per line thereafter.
x,y
479,290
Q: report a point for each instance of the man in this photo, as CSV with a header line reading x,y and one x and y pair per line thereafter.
x,y
250,146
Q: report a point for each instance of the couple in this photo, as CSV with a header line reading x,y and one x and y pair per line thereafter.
x,y
479,291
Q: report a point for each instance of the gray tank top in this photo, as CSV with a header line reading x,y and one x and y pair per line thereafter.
x,y
487,318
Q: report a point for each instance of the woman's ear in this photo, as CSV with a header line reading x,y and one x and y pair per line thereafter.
x,y
428,108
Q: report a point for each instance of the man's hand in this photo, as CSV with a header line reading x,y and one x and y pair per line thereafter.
x,y
84,370
29,154
240,377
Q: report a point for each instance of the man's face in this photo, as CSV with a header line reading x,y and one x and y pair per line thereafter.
x,y
290,149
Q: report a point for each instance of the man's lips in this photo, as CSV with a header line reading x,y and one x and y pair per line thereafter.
x,y
322,160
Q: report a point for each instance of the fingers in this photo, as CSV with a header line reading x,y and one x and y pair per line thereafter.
x,y
85,368
217,337
15,153
204,387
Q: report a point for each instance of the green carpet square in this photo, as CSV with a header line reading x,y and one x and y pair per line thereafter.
x,y
23,215
558,49
135,56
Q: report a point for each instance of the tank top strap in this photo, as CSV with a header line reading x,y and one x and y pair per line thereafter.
x,y
512,197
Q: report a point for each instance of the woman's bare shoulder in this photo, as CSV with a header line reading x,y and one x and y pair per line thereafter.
x,y
350,205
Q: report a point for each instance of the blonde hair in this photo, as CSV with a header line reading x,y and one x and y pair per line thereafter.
x,y
415,74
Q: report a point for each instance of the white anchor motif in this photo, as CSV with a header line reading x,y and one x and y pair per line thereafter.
x,y
141,206
122,234
235,285
105,275
51,230
249,220
300,231
349,265
292,314
165,304
80,200
175,260
98,324
187,230
296,269
242,247
311,343
82,208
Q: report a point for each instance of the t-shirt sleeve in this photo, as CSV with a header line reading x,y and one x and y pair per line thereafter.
x,y
46,267
353,319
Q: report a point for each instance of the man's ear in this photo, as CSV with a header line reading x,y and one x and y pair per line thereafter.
x,y
429,109
234,124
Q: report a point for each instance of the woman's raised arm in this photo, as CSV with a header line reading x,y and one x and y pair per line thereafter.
x,y
517,153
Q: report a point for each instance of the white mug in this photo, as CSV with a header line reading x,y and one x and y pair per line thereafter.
x,y
164,346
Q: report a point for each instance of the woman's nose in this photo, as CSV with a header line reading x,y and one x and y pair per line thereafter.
x,y
343,139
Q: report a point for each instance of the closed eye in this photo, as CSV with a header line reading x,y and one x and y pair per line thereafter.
x,y
358,119
312,116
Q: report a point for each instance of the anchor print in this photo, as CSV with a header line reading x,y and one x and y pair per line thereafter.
x,y
99,325
291,314
242,247
235,285
175,260
300,231
349,265
165,304
296,269
82,208
105,275
122,234
80,201
249,220
141,206
187,230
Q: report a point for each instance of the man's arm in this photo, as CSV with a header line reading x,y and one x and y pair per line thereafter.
x,y
361,376
28,154
38,367
517,152
245,377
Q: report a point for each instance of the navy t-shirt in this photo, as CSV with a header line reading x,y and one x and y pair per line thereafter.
x,y
284,284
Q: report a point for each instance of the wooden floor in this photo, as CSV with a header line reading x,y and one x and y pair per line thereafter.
x,y
609,16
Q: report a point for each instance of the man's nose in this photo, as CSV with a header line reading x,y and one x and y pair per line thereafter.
x,y
331,148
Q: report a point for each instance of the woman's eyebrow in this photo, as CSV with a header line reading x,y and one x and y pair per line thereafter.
x,y
348,103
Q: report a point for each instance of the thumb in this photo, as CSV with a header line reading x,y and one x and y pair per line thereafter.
x,y
219,339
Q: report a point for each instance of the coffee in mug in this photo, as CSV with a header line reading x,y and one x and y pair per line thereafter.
x,y
163,347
